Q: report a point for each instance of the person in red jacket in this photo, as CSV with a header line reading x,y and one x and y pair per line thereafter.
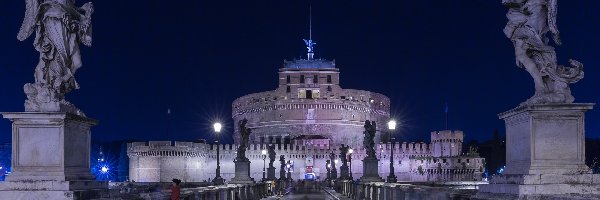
x,y
175,189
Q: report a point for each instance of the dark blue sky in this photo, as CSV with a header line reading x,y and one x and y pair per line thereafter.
x,y
196,57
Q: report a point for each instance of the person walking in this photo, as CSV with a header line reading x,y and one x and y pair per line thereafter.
x,y
175,189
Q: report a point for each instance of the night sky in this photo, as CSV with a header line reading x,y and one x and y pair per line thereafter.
x,y
196,57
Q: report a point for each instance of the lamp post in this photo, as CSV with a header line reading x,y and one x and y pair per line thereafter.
x,y
218,180
350,151
264,153
392,177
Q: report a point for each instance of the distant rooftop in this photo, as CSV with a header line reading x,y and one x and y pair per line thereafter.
x,y
309,64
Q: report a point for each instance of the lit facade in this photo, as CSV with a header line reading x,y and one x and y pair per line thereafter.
x,y
307,117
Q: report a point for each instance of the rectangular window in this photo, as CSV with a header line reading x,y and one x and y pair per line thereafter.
x,y
288,89
316,94
301,78
301,94
288,79
309,94
328,88
328,78
315,79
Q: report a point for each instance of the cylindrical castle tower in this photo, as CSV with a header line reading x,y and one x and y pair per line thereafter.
x,y
310,102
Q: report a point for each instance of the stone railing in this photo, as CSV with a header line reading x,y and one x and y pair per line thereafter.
x,y
161,191
229,191
384,191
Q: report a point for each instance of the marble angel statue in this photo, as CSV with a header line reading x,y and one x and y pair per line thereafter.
x,y
529,24
59,28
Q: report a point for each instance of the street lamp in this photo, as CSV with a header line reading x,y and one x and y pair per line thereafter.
x,y
218,180
350,151
264,153
392,177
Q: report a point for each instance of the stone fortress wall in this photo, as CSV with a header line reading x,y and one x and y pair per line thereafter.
x,y
161,161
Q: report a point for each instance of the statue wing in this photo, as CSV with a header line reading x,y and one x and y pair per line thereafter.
x,y
552,12
31,13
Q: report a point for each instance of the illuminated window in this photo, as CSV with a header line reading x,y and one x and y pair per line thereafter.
x,y
308,94
316,94
301,94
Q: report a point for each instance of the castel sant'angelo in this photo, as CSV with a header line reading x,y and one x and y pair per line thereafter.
x,y
308,117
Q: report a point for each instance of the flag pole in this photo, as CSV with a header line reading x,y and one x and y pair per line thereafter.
x,y
446,112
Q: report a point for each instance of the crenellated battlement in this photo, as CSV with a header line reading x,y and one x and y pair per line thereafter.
x,y
447,136
196,161
194,149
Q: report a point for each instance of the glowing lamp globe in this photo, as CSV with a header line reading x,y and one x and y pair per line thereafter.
x,y
392,125
217,126
104,169
264,152
350,150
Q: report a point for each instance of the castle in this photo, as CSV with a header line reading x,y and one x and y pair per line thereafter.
x,y
307,117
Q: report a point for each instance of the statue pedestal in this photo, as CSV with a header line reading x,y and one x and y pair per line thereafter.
x,y
242,173
333,174
545,152
50,157
370,172
271,173
344,172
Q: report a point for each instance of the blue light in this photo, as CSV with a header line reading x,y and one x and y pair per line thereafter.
x,y
501,170
309,176
104,166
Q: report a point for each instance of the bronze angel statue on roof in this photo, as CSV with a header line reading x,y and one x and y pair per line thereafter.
x,y
529,24
59,28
